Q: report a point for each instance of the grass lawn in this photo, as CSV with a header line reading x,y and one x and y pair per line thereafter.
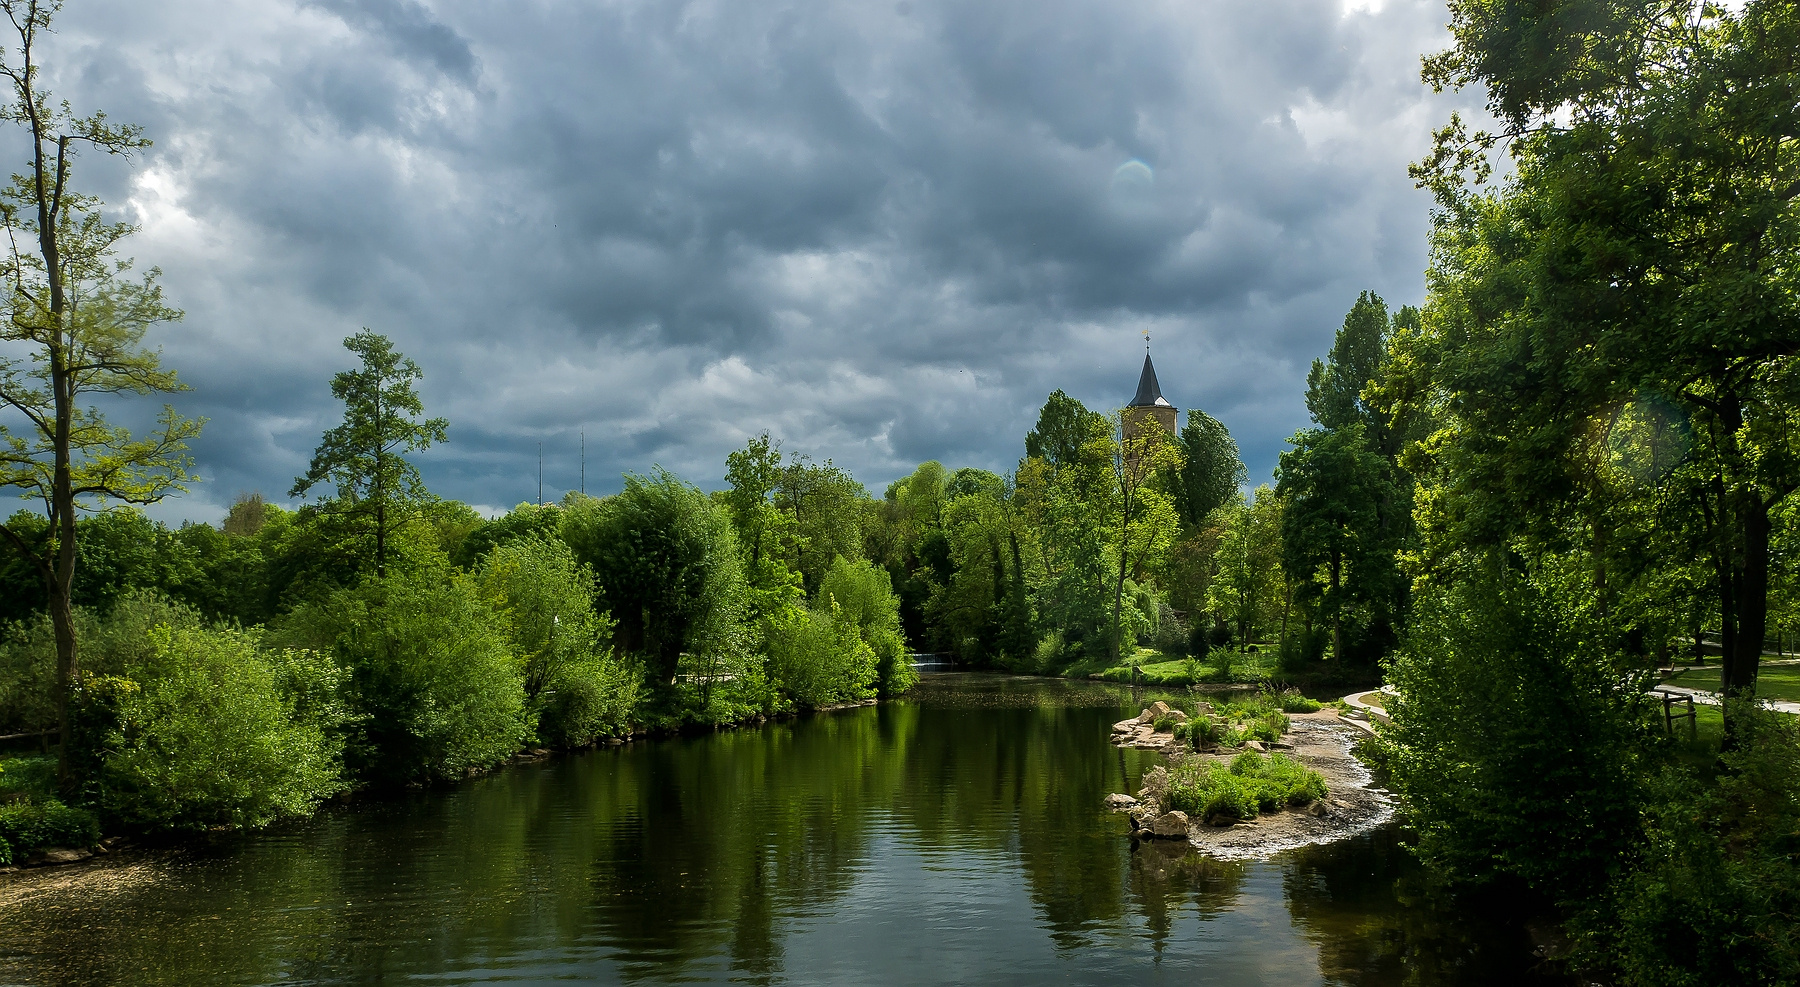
x,y
1772,681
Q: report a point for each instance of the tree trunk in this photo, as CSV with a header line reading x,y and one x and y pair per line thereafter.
x,y
1337,608
1750,579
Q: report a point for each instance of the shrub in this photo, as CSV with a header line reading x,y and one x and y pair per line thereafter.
x,y
667,566
1518,737
818,658
28,824
1714,890
1290,700
211,733
1164,724
863,593
547,598
588,699
432,681
1205,790
1201,731
1253,783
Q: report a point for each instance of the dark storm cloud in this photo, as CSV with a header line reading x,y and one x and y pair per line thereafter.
x,y
881,232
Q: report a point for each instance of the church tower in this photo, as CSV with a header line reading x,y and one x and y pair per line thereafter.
x,y
1149,405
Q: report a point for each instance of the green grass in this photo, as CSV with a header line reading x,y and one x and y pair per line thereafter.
x,y
1252,784
1772,681
1156,668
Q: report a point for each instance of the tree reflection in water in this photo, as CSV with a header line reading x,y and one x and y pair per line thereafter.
x,y
957,835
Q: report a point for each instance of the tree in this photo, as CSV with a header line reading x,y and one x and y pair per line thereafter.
x,y
1645,245
1210,468
1332,487
667,565
1142,453
76,324
376,486
824,506
1064,428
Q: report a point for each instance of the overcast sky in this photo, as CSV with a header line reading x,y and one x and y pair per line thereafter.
x,y
881,231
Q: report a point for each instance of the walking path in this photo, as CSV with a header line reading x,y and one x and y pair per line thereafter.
x,y
1706,698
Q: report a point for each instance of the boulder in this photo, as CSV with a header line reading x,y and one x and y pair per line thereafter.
x,y
1178,716
1125,726
1146,716
1317,808
1203,709
1159,708
1170,825
1118,802
63,855
1254,745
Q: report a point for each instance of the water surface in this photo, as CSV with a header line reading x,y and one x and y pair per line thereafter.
x,y
956,836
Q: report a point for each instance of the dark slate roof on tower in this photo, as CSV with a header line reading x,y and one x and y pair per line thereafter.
x,y
1149,393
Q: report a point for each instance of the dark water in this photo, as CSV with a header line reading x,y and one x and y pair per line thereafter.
x,y
957,837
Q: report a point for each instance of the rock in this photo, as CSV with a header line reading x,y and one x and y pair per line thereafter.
x,y
1170,825
1146,716
1203,709
1119,802
1317,808
1178,716
1159,708
63,855
1254,745
1221,819
1125,726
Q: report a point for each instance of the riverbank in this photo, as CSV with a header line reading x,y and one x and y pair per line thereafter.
x,y
37,857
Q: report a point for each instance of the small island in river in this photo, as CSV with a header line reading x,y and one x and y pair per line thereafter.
x,y
1328,793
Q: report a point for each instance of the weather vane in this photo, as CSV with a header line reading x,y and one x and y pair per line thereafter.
x,y
1146,340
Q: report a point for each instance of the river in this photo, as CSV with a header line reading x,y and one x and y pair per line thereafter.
x,y
956,836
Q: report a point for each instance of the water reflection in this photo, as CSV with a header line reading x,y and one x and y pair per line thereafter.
x,y
956,836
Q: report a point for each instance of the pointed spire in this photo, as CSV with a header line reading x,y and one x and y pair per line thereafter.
x,y
1149,392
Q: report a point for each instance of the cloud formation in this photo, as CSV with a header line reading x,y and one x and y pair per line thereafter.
x,y
882,232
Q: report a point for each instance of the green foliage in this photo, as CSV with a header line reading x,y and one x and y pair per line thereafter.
x,y
524,521
863,595
1210,471
29,824
547,599
588,698
817,657
214,733
1518,738
667,566
1253,783
1291,701
1712,892
1065,429
433,683
377,489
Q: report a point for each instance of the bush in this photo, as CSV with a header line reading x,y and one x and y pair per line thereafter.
x,y
436,691
818,658
863,593
1518,739
1290,700
1253,783
588,699
1712,896
30,824
667,566
208,732
1164,724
